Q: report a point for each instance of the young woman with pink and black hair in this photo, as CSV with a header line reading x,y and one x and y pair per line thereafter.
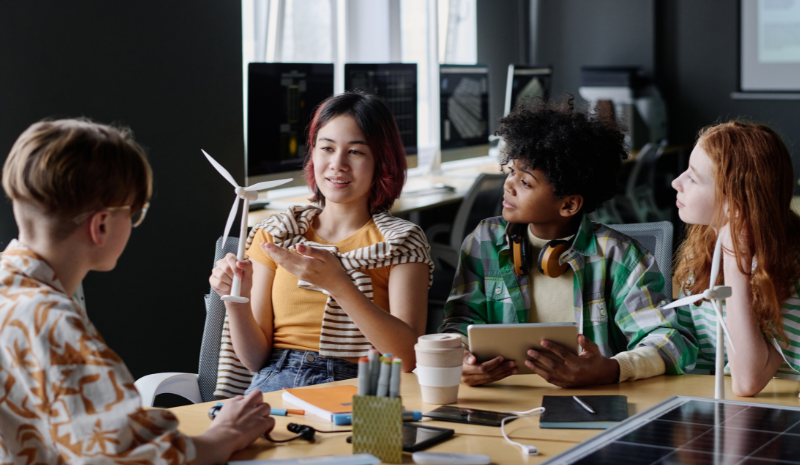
x,y
328,282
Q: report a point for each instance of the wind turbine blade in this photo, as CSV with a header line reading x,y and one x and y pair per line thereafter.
x,y
267,185
231,217
221,170
715,261
690,299
718,310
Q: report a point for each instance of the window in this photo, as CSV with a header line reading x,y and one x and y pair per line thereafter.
x,y
311,31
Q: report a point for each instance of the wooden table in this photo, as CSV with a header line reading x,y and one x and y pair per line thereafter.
x,y
516,393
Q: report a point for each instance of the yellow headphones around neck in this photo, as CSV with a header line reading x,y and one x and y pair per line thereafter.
x,y
548,260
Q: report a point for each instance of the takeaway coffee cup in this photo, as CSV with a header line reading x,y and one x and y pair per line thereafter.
x,y
439,358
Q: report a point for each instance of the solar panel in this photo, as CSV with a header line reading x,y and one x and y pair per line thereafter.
x,y
694,430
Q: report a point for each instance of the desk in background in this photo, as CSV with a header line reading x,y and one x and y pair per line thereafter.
x,y
409,202
521,392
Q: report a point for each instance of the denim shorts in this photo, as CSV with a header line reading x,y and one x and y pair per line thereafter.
x,y
291,368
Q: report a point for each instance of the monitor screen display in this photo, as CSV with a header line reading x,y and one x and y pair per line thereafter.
x,y
526,81
281,101
769,50
464,108
397,84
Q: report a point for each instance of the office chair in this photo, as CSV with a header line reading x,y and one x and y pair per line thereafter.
x,y
483,200
657,239
200,386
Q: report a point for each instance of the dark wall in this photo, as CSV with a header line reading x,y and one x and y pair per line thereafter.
x,y
698,57
575,33
172,72
690,47
503,37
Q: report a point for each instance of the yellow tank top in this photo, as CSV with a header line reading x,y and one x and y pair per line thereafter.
x,y
297,313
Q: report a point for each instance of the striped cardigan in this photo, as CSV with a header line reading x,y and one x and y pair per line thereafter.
x,y
340,337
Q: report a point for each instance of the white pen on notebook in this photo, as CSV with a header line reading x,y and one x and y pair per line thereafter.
x,y
582,404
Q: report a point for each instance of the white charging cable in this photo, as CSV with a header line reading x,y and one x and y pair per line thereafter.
x,y
528,450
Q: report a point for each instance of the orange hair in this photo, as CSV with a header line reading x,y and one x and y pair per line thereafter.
x,y
754,175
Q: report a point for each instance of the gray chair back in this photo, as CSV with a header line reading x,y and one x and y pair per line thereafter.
x,y
212,333
657,239
483,199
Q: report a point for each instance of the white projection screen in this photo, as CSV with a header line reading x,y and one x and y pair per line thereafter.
x,y
770,45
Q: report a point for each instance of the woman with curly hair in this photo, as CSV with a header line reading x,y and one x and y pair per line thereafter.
x,y
739,185
562,164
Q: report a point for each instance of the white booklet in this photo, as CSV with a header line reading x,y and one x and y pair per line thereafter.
x,y
355,459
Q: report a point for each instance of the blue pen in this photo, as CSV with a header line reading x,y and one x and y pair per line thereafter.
x,y
282,412
347,418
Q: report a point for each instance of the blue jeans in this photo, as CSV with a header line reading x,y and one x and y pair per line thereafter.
x,y
291,368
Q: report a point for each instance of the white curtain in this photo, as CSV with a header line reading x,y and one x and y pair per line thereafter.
x,y
426,32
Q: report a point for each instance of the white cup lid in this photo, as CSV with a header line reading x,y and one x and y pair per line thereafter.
x,y
439,341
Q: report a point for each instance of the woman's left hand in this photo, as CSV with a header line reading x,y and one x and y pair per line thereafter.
x,y
315,266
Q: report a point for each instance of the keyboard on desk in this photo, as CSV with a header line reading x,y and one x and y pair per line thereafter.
x,y
437,188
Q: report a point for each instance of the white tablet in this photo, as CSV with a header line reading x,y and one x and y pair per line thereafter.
x,y
513,341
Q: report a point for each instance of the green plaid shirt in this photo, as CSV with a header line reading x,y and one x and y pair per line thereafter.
x,y
617,287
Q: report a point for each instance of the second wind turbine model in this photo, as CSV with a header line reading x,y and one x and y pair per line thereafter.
x,y
716,294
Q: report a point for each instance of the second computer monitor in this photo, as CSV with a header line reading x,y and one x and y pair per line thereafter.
x,y
281,100
464,111
396,83
526,81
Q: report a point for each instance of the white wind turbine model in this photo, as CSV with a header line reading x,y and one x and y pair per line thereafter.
x,y
247,194
716,294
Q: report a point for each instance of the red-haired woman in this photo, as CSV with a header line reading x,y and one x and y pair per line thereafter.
x,y
327,284
740,184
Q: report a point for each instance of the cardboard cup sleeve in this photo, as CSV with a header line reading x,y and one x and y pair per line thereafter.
x,y
439,385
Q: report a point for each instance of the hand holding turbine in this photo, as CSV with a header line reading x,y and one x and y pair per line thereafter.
x,y
246,194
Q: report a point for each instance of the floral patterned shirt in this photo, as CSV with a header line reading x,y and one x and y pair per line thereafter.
x,y
65,396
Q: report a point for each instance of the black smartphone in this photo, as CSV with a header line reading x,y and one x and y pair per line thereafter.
x,y
468,415
417,437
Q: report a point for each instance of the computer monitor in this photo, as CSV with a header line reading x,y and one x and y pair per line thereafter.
x,y
526,81
281,100
397,84
464,111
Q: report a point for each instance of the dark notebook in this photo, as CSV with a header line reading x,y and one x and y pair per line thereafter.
x,y
565,412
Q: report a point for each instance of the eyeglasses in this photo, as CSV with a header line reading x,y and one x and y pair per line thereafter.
x,y
136,217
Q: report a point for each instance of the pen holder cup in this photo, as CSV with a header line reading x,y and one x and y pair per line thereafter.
x,y
378,427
